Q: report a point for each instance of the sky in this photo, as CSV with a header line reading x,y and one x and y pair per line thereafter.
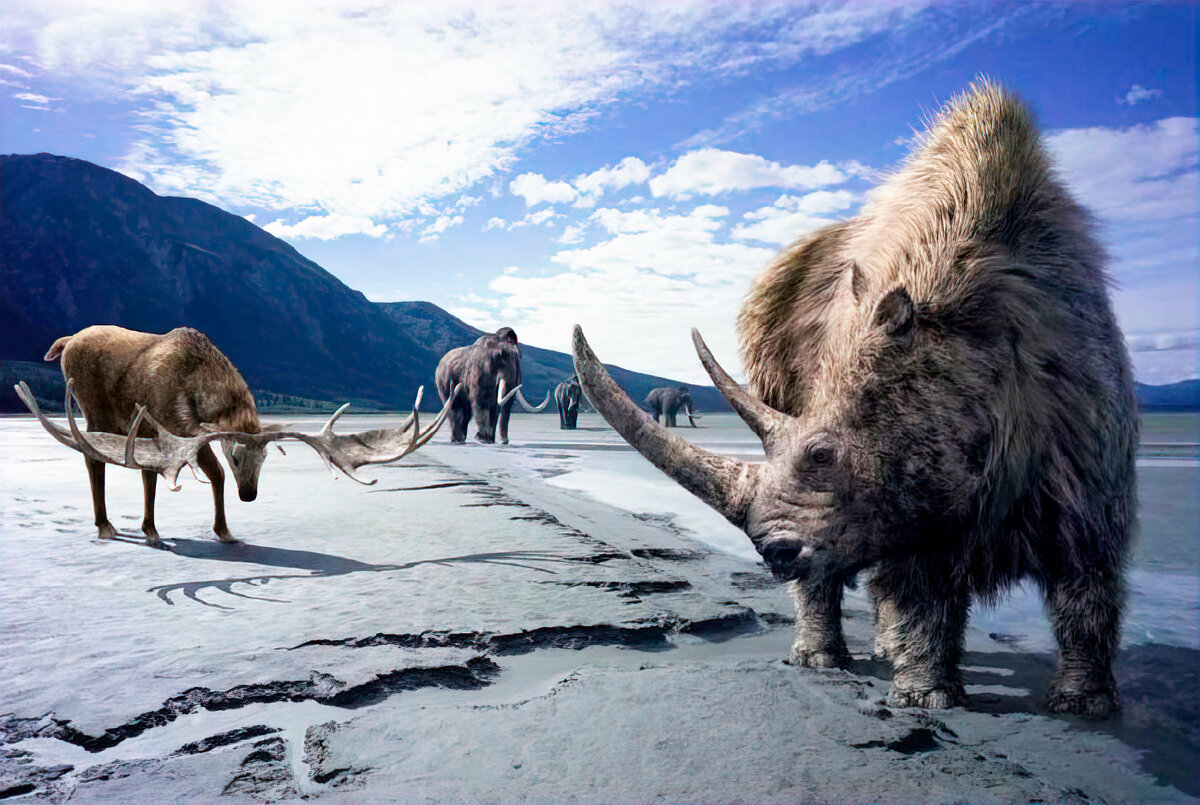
x,y
627,167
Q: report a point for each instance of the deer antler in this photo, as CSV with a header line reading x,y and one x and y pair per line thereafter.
x,y
167,454
164,453
379,446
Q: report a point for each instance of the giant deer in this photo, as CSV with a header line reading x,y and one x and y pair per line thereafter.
x,y
156,403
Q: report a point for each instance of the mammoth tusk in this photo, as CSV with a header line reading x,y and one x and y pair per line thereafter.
x,y
532,409
762,418
501,396
723,483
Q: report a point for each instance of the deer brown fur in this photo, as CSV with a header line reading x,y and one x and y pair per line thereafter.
x,y
186,384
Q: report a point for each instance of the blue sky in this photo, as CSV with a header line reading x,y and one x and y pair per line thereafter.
x,y
627,167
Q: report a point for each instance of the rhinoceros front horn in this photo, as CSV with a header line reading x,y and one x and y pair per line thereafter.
x,y
723,483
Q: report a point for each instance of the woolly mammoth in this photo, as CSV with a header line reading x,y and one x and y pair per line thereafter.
x,y
664,405
944,399
490,373
568,396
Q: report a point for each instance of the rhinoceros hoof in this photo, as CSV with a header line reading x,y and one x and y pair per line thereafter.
x,y
1092,704
931,698
818,658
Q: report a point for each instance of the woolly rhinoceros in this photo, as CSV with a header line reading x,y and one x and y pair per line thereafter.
x,y
945,400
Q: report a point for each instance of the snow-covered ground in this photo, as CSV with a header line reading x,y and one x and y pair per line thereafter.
x,y
548,621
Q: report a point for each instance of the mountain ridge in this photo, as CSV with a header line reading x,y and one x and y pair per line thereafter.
x,y
81,244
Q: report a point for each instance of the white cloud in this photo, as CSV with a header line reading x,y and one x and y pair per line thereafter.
x,y
535,189
440,225
33,97
571,234
791,217
628,171
326,227
334,108
1141,181
638,292
494,223
14,70
538,218
711,171
1141,173
1164,341
778,226
464,202
919,37
1139,93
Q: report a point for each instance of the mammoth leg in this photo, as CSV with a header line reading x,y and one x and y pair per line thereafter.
x,y
924,636
209,465
485,422
460,416
819,641
149,485
96,477
1085,613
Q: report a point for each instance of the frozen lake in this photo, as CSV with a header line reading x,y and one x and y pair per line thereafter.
x,y
551,620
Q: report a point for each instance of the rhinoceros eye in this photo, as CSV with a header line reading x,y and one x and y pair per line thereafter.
x,y
821,456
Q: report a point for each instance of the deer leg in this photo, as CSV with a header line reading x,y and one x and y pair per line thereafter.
x,y
96,476
149,485
209,465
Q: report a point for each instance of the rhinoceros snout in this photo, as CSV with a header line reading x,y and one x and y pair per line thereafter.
x,y
787,560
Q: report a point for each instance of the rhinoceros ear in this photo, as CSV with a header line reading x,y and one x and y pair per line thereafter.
x,y
858,283
897,314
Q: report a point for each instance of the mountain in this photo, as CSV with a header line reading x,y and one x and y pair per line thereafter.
x,y
81,245
1184,395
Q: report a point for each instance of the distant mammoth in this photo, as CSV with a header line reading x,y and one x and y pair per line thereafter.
x,y
666,403
945,401
568,396
490,373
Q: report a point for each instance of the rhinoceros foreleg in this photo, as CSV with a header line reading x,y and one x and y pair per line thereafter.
x,y
887,629
819,641
923,639
1085,613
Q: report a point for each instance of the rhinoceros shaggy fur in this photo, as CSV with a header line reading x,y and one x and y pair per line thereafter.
x,y
948,405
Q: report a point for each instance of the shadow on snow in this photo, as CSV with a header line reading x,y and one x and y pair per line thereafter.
x,y
318,565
